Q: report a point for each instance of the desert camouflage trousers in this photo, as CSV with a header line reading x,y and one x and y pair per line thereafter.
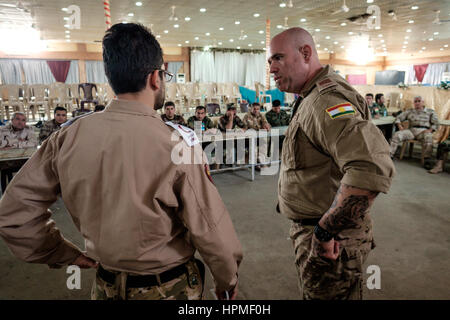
x,y
188,286
325,279
413,133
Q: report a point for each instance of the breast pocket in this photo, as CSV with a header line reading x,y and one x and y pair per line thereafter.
x,y
290,154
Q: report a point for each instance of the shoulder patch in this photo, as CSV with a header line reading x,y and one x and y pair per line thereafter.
x,y
340,110
325,83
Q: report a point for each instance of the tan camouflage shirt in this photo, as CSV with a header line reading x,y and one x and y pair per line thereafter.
x,y
17,139
426,118
330,140
254,122
47,129
138,210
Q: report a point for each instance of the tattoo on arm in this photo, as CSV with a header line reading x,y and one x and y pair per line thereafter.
x,y
348,210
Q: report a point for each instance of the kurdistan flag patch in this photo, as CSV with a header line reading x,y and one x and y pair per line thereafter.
x,y
340,110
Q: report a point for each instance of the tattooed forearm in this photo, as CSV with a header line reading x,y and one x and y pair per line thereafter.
x,y
349,207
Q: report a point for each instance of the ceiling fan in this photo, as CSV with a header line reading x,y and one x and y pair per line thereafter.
x,y
344,8
437,20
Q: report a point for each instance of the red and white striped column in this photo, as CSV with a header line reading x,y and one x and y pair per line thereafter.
x,y
107,13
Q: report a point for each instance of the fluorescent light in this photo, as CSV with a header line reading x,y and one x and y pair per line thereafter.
x,y
166,31
369,1
404,47
176,25
139,4
414,7
158,36
420,51
202,10
411,21
263,42
66,18
343,24
380,36
67,31
196,38
187,41
67,36
317,30
336,42
179,44
377,28
231,40
237,22
436,33
66,26
256,15
279,26
406,42
424,48
220,43
249,44
441,49
302,20
67,40
238,47
406,37
221,28
430,39
260,31
64,9
326,49
408,30
342,47
318,45
327,37
350,33
208,34
187,19
131,14
382,40
282,5
445,45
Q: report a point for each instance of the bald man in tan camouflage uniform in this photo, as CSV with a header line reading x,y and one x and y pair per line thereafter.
x,y
334,163
422,123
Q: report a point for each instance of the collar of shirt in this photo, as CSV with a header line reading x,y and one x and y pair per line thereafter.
x,y
128,106
312,83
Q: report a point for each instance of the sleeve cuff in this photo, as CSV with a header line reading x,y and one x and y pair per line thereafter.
x,y
367,181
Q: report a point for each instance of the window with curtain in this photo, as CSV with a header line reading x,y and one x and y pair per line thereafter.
x,y
95,72
202,66
10,71
175,67
73,76
37,72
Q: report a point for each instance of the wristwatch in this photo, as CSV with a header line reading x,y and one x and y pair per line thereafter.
x,y
321,234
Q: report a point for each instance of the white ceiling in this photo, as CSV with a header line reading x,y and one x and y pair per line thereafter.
x,y
48,17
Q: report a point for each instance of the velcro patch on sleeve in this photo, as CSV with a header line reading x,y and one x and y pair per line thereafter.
x,y
325,83
340,110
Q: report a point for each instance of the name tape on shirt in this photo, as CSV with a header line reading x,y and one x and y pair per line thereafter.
x,y
188,134
340,110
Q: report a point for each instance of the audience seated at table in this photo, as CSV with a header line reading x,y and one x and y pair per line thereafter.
x,y
379,101
277,117
50,126
169,114
422,123
230,121
201,120
256,121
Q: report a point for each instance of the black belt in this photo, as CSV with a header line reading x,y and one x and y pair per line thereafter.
x,y
145,280
307,222
421,127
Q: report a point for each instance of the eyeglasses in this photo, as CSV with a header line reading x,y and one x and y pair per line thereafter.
x,y
168,76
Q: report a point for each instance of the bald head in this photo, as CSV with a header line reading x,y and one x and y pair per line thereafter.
x,y
293,59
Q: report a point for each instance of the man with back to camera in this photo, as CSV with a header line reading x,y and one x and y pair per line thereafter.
x,y
334,164
169,114
124,182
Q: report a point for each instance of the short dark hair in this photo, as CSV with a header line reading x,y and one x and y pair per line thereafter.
x,y
200,108
169,103
276,103
99,107
130,54
378,96
255,104
58,108
369,95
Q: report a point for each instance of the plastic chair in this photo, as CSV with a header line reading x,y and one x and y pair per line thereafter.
x,y
38,97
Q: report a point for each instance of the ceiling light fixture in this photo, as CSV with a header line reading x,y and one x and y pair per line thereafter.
x,y
202,10
414,7
187,41
238,48
196,38
237,22
445,45
256,15
66,18
173,16
327,37
380,36
424,48
317,30
411,21
282,5
260,31
249,44
158,36
64,9
343,24
179,44
221,28
187,19
220,43
369,1
436,33
166,31
176,25
302,20
208,34
231,40
131,14
139,4
408,30
350,33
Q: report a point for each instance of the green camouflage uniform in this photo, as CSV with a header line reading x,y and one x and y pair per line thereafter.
x,y
180,288
237,122
277,119
207,122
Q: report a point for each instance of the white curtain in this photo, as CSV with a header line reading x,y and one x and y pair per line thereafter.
x,y
202,66
10,71
255,68
73,76
37,72
433,75
174,67
95,72
230,67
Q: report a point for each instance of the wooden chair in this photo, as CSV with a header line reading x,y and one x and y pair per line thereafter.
x,y
411,147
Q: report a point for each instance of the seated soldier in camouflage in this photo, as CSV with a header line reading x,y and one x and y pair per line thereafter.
x,y
60,117
379,102
200,118
277,117
422,123
374,110
230,120
169,115
17,134
256,121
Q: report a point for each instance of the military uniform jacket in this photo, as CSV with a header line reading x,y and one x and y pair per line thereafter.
x,y
24,138
207,122
224,120
277,119
330,140
137,210
426,118
254,122
47,129
176,119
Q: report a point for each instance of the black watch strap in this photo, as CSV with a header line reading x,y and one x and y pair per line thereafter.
x,y
321,234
